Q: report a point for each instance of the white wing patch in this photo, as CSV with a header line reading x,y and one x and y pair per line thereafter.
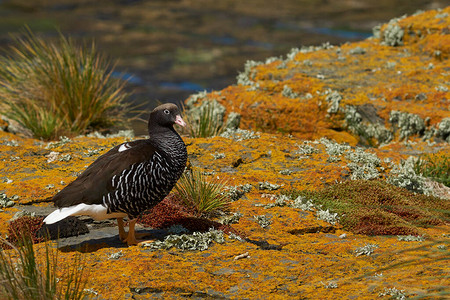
x,y
124,147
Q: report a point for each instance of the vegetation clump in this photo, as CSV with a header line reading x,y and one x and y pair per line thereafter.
x,y
25,276
435,167
25,225
59,88
205,120
205,197
377,208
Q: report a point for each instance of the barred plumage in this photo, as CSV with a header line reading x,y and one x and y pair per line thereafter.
x,y
143,185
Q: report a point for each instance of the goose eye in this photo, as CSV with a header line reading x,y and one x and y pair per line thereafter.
x,y
166,111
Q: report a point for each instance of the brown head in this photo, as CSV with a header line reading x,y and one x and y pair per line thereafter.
x,y
164,117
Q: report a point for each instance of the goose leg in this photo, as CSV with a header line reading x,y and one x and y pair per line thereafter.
x,y
122,233
131,237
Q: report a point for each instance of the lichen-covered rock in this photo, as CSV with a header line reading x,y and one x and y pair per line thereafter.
x,y
310,93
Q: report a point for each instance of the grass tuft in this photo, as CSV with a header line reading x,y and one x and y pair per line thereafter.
x,y
435,167
203,121
206,197
59,88
26,275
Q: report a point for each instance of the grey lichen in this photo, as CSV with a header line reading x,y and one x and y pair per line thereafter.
x,y
368,131
285,172
128,134
195,241
404,175
22,213
237,191
6,201
292,54
330,285
394,293
246,78
280,200
442,247
410,238
194,98
441,88
303,204
262,220
443,129
214,109
232,219
11,143
65,157
363,164
240,134
334,99
307,149
218,155
327,216
233,120
333,149
378,132
288,92
115,255
268,186
62,141
367,249
324,46
408,124
357,50
393,34
93,152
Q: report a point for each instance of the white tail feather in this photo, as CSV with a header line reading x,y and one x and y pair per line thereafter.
x,y
96,211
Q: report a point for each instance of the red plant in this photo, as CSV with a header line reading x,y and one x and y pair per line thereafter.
x,y
24,226
171,211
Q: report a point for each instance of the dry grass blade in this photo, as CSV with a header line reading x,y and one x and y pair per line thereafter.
x,y
25,276
59,88
206,197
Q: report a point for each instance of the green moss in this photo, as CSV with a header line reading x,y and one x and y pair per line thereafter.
x,y
378,208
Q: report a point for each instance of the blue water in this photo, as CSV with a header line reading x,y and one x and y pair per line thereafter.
x,y
347,34
188,86
341,33
133,79
184,86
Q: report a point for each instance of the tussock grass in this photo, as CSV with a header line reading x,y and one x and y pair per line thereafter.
x,y
59,88
203,122
435,167
206,197
23,276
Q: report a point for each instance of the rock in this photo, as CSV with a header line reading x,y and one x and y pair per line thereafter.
x,y
67,227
